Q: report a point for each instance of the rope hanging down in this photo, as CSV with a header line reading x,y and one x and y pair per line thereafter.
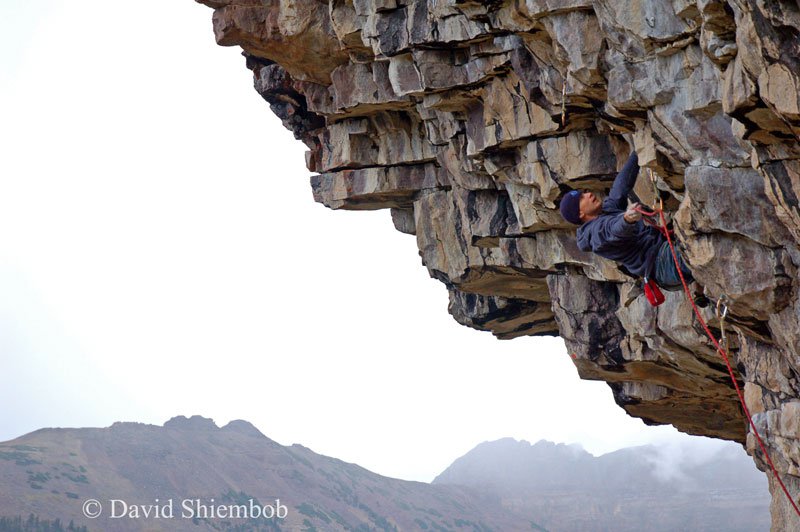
x,y
667,233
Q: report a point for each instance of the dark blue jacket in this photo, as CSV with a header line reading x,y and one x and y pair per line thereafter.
x,y
634,245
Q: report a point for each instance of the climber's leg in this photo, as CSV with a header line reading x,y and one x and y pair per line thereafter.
x,y
666,274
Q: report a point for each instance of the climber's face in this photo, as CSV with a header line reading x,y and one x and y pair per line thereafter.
x,y
589,206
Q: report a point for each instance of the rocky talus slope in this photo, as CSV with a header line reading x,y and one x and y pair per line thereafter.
x,y
470,120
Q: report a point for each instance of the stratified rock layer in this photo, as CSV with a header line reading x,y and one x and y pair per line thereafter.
x,y
469,121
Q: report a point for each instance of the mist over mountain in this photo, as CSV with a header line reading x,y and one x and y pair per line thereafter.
x,y
688,486
192,475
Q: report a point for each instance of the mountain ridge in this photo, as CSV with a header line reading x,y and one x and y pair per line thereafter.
x,y
52,472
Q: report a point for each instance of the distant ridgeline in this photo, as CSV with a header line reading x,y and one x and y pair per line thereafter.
x,y
664,488
192,475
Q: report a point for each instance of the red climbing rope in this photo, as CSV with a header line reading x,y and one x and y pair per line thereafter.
x,y
666,233
647,215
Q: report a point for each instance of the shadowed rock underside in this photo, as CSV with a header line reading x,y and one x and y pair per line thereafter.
x,y
469,121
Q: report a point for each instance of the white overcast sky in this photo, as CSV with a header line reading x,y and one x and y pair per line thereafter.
x,y
161,254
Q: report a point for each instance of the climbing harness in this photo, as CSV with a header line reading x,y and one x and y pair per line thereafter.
x,y
722,312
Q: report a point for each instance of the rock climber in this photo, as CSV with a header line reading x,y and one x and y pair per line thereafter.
x,y
614,229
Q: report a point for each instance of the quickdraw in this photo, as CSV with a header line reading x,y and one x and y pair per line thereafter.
x,y
649,215
721,315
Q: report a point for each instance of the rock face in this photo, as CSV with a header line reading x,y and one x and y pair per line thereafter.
x,y
470,120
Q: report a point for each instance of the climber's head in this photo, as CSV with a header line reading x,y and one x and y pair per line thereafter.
x,y
578,207
590,206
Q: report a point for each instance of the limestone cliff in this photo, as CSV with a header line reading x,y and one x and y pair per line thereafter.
x,y
469,121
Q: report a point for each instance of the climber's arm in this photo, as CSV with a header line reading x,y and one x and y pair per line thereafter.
x,y
612,229
617,199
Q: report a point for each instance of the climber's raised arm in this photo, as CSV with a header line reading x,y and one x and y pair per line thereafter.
x,y
617,199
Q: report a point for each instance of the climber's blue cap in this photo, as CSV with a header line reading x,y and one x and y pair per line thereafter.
x,y
570,207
